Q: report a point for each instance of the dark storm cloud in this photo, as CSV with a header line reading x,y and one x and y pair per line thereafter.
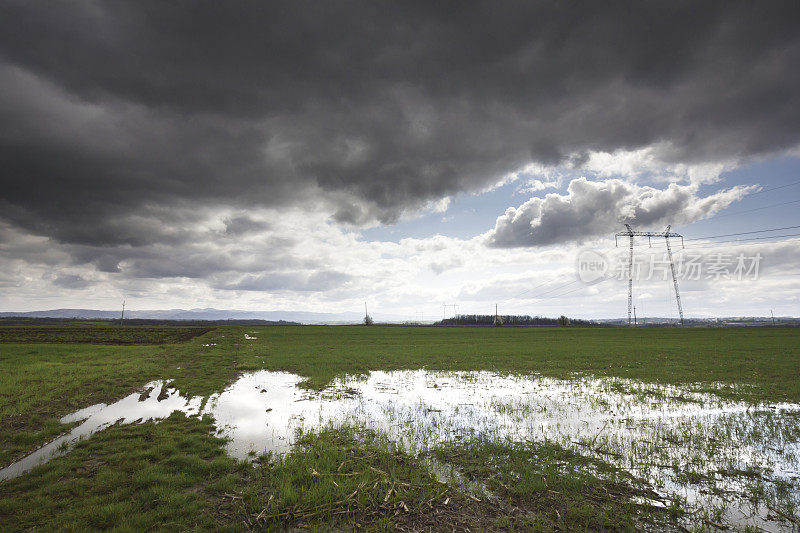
x,y
114,112
243,224
70,281
205,255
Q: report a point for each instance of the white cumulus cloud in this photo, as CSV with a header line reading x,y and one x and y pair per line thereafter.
x,y
592,209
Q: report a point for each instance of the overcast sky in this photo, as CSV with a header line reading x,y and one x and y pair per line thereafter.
x,y
313,155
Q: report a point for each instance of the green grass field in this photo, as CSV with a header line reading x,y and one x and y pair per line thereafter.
x,y
175,473
94,334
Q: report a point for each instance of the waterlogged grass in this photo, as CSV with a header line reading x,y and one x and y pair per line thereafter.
x,y
554,488
136,477
351,478
175,474
42,382
761,364
724,463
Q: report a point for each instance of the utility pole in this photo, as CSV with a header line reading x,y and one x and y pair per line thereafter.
x,y
634,315
773,316
366,313
495,313
122,316
630,233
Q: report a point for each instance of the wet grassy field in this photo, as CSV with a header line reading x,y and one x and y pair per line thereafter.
x,y
176,473
99,334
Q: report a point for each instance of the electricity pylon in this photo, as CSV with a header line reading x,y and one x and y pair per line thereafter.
x,y
455,310
666,234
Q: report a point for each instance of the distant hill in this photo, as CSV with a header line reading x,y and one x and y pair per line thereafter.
x,y
205,314
303,317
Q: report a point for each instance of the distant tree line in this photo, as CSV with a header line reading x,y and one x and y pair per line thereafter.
x,y
513,320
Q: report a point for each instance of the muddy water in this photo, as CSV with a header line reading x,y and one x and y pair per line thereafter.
x,y
683,442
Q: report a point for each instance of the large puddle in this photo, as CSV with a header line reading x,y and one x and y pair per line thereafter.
x,y
735,458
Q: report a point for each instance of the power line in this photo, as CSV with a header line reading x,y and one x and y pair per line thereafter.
x,y
556,288
774,188
742,242
543,293
529,290
563,294
727,244
746,211
757,208
749,239
742,233
706,237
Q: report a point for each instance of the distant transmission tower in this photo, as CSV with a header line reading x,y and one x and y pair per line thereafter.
x,y
666,234
446,306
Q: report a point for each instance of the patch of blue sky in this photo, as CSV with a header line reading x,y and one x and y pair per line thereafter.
x,y
777,206
469,215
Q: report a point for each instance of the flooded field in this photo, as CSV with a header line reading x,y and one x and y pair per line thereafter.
x,y
730,462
